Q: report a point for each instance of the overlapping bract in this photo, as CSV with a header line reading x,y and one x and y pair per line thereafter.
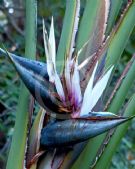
x,y
80,105
62,94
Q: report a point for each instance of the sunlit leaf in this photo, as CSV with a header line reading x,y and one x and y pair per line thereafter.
x,y
34,139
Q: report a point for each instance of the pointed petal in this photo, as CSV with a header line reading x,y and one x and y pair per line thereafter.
x,y
87,94
99,89
76,89
52,42
79,130
67,71
48,52
59,87
50,56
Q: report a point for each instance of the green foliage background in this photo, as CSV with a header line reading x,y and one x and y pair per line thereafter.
x,y
12,35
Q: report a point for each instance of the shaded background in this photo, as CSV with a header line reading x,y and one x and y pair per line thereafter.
x,y
12,34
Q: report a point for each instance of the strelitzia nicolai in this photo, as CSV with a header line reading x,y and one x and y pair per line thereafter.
x,y
63,99
74,120
70,108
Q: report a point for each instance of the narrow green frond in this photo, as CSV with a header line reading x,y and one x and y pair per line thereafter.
x,y
67,32
18,146
116,138
113,13
116,48
34,139
121,37
92,27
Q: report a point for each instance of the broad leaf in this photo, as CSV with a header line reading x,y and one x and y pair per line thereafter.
x,y
116,48
94,23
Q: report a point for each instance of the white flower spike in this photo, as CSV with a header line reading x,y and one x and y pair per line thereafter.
x,y
52,42
50,51
92,94
99,89
87,93
79,106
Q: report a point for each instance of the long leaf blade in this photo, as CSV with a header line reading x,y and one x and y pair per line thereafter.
x,y
18,146
116,138
116,47
66,36
94,23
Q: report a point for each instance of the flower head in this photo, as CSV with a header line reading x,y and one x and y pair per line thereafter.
x,y
67,85
62,94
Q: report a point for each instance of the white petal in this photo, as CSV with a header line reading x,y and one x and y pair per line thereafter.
x,y
50,67
99,89
59,87
46,42
76,89
50,59
67,75
87,94
52,42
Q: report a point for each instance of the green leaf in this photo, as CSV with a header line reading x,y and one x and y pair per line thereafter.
x,y
121,37
113,13
121,94
66,35
46,162
18,146
34,138
119,98
116,48
92,27
116,138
